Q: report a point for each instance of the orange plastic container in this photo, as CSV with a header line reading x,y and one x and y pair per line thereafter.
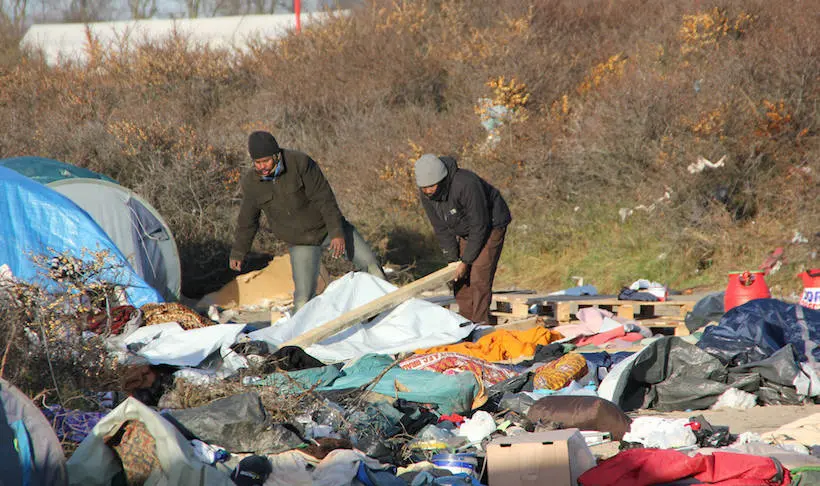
x,y
811,288
743,287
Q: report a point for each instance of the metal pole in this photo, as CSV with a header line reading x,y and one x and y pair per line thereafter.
x,y
297,10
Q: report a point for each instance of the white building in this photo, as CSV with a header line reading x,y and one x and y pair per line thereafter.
x,y
69,42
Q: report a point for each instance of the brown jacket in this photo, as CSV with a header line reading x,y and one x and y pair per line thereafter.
x,y
299,205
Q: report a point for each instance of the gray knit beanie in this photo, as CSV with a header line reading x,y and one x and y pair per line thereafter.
x,y
430,170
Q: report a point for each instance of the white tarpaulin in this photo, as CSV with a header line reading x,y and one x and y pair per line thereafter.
x,y
169,344
412,325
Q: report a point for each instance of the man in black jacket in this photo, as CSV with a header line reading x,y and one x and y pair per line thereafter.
x,y
470,219
299,204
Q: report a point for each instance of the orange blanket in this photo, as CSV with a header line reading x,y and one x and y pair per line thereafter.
x,y
501,345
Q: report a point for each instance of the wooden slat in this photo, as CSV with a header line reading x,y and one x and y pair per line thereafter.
x,y
374,307
561,308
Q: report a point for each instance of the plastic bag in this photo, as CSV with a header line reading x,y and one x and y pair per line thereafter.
x,y
734,398
661,433
480,425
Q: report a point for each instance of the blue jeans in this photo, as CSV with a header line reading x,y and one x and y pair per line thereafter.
x,y
305,261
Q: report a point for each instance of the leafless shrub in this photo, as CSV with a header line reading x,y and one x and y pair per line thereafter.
x,y
47,349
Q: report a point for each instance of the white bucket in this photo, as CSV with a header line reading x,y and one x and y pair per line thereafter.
x,y
456,463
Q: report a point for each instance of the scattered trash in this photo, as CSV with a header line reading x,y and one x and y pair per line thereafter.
x,y
463,463
734,398
209,454
799,238
703,164
661,433
624,213
479,426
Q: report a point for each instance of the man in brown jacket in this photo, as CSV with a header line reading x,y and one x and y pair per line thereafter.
x,y
299,204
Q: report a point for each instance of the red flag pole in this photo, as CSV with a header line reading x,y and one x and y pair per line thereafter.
x,y
297,10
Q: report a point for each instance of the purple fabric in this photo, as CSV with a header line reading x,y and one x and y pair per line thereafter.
x,y
71,425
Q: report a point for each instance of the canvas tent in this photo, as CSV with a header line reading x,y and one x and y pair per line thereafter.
x,y
29,450
36,220
130,222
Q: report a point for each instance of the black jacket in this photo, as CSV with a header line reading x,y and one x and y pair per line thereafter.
x,y
299,205
467,206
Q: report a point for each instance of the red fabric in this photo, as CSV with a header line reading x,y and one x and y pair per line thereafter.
x,y
601,337
120,316
453,417
645,467
632,337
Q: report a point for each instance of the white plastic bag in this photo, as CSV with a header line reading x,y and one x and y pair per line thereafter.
x,y
479,426
661,433
734,398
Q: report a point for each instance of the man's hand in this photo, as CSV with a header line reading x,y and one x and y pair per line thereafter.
x,y
236,265
337,247
462,272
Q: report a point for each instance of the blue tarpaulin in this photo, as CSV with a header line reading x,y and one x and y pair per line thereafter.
x,y
755,330
452,393
36,220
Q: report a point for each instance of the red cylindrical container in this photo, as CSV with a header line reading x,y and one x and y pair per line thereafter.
x,y
743,287
811,288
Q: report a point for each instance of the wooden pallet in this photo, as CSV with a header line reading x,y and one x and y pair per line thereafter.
x,y
562,308
667,326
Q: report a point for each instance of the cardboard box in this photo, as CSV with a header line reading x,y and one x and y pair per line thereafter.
x,y
556,458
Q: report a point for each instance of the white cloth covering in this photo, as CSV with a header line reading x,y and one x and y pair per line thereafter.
x,y
411,325
169,344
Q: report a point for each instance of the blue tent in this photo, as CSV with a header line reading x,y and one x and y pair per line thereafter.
x,y
36,220
138,230
46,171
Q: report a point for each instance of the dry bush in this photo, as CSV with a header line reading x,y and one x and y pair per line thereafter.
x,y
9,41
46,347
622,98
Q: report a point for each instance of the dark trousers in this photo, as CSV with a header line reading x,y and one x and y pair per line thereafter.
x,y
475,293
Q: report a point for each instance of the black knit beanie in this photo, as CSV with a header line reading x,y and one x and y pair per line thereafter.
x,y
261,145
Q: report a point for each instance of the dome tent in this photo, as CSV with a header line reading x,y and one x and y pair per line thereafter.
x,y
135,227
36,220
30,452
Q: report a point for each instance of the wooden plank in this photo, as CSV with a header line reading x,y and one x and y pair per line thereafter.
x,y
518,297
520,310
626,310
519,325
374,307
674,329
562,311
